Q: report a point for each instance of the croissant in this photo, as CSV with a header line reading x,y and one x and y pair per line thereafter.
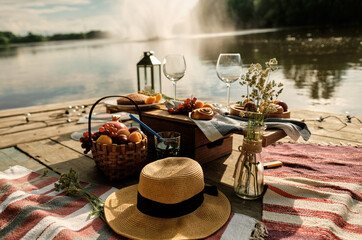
x,y
204,113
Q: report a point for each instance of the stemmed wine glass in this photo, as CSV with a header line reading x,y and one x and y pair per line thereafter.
x,y
228,69
174,68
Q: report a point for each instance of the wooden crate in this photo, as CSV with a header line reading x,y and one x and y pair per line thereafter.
x,y
194,144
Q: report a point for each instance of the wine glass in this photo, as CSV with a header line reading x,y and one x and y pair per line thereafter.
x,y
228,69
174,68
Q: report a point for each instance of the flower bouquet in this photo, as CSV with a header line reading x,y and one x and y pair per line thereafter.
x,y
261,90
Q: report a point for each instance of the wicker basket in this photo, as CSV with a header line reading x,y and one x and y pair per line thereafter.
x,y
119,161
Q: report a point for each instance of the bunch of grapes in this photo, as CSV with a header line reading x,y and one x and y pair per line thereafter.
x,y
108,129
85,142
187,106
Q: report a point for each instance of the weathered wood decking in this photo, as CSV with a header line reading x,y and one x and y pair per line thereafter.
x,y
44,143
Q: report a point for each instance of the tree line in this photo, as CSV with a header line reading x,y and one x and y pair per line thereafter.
x,y
242,14
291,13
8,37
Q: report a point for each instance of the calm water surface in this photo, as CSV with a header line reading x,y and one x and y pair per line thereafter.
x,y
320,68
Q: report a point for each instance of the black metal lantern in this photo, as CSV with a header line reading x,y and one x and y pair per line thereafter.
x,y
149,73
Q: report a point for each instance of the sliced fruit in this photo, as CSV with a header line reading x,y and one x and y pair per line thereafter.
x,y
158,98
150,100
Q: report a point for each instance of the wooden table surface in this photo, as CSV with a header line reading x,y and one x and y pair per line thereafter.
x,y
43,142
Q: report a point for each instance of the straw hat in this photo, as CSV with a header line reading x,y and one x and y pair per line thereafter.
x,y
170,202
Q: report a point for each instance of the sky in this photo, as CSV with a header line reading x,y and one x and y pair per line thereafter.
x,y
64,16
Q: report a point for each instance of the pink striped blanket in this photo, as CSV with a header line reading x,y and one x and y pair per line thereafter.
x,y
30,208
316,194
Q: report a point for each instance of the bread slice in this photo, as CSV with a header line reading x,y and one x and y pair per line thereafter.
x,y
136,97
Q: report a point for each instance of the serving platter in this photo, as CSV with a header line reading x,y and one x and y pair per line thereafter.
x,y
113,103
237,111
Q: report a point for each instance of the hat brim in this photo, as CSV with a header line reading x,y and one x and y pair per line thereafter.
x,y
125,219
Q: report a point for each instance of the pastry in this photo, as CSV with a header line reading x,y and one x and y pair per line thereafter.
x,y
136,97
271,108
204,113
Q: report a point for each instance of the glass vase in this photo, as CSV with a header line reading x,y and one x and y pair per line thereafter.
x,y
249,169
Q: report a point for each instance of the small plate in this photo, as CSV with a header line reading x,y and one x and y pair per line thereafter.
x,y
113,103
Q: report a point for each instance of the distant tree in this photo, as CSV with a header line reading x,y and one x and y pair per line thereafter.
x,y
285,13
31,38
242,12
97,34
67,36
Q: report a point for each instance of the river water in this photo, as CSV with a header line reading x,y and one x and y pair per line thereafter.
x,y
320,68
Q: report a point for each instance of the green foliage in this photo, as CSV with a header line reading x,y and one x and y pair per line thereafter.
x,y
9,37
284,13
67,36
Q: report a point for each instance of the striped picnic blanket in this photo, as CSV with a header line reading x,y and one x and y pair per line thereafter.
x,y
316,194
30,208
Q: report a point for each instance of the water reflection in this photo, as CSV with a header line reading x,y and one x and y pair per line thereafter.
x,y
320,68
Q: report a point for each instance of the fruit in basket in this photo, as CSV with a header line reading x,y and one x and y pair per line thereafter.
x,y
132,129
116,124
121,139
135,137
123,131
283,105
104,139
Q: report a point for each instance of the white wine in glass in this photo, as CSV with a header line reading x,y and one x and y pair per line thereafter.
x,y
174,68
228,69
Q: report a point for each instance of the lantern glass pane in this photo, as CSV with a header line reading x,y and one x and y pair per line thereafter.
x,y
145,78
157,80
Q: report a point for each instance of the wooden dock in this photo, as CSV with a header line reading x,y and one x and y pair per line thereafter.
x,y
38,138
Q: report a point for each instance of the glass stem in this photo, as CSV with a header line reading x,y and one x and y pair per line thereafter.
x,y
174,86
228,96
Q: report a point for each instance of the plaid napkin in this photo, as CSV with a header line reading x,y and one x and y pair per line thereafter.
x,y
222,124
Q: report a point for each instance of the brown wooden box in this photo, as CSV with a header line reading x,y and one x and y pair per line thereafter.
x,y
194,144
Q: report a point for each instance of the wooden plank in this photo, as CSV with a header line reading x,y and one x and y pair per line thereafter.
x,y
13,139
38,130
45,108
61,158
11,156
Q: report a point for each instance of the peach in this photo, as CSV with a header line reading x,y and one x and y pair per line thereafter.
x,y
198,104
123,131
135,137
104,139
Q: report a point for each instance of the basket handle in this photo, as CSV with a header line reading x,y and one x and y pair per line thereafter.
x,y
94,105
